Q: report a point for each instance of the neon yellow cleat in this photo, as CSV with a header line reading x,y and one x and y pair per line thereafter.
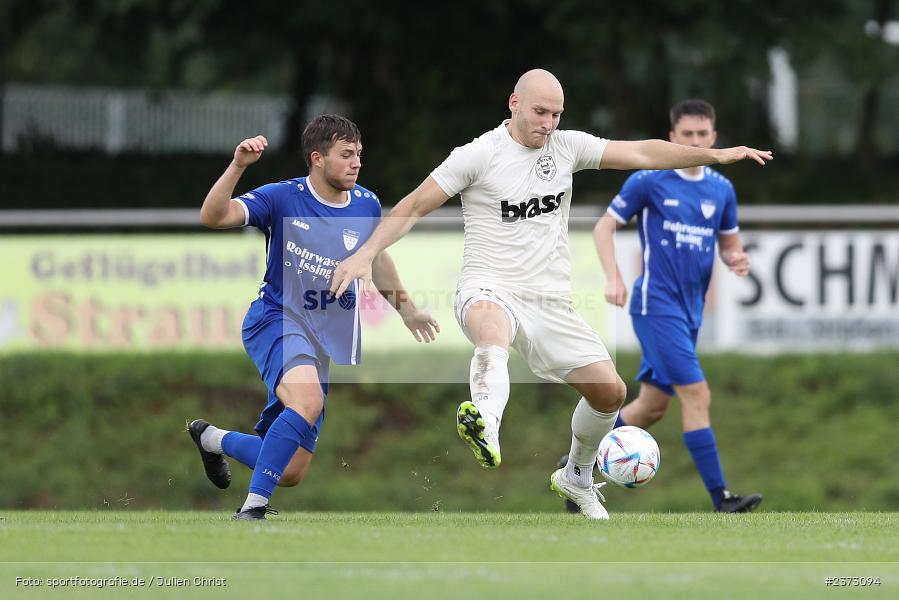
x,y
480,437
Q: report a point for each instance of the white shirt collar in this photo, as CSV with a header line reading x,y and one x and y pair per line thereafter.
x,y
683,175
325,202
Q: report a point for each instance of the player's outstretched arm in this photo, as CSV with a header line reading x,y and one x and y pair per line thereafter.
x,y
425,198
731,251
386,278
604,239
219,210
658,154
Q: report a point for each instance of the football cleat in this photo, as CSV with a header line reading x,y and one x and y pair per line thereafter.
x,y
569,505
216,466
731,503
587,499
480,437
257,513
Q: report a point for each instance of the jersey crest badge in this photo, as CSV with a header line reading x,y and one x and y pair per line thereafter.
x,y
350,238
708,208
546,167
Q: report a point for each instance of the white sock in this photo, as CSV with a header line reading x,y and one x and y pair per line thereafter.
x,y
588,426
211,439
489,382
254,500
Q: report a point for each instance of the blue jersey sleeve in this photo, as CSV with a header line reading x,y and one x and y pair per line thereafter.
x,y
729,223
258,205
632,198
376,208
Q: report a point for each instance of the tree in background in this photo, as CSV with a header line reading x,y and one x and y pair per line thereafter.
x,y
854,46
419,82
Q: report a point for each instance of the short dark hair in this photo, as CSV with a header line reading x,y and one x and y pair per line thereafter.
x,y
323,131
694,107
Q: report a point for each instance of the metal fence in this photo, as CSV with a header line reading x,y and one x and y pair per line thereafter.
x,y
151,122
115,120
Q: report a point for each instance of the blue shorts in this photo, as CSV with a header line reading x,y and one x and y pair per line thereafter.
x,y
277,343
669,352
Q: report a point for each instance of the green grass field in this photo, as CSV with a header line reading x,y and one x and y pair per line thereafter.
x,y
450,555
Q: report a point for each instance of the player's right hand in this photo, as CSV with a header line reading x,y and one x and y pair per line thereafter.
x,y
738,262
727,156
616,291
249,150
357,266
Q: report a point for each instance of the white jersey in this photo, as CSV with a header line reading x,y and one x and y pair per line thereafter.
x,y
515,206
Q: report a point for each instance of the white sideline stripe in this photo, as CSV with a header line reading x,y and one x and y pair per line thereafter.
x,y
645,287
355,323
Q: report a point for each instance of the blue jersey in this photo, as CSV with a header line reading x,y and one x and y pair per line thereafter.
x,y
306,238
678,219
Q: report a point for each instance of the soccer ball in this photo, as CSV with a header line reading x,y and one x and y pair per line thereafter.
x,y
628,456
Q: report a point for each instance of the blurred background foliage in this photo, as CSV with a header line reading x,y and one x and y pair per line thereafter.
x,y
420,81
808,431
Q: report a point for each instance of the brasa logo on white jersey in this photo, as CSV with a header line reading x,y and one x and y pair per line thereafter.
x,y
531,208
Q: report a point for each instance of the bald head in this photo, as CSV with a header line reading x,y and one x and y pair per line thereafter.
x,y
536,106
539,82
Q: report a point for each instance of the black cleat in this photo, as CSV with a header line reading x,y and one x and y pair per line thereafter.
x,y
257,513
217,469
569,505
738,504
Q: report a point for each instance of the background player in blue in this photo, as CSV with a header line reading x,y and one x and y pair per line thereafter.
x,y
680,215
295,327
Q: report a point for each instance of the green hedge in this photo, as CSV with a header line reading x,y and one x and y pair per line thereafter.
x,y
86,180
79,431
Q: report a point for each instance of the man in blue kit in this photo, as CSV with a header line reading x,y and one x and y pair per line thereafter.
x,y
296,327
680,214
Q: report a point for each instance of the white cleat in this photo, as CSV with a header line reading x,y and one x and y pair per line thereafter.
x,y
587,498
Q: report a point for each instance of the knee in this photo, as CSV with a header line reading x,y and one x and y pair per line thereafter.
x,y
490,334
697,401
620,392
654,413
307,403
291,477
616,395
609,397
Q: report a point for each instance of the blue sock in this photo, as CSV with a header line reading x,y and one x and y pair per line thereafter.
x,y
618,422
702,447
243,447
278,447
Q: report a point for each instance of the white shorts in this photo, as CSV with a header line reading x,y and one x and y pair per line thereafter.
x,y
548,333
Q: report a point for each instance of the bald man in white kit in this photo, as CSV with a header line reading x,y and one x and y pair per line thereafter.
x,y
515,284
